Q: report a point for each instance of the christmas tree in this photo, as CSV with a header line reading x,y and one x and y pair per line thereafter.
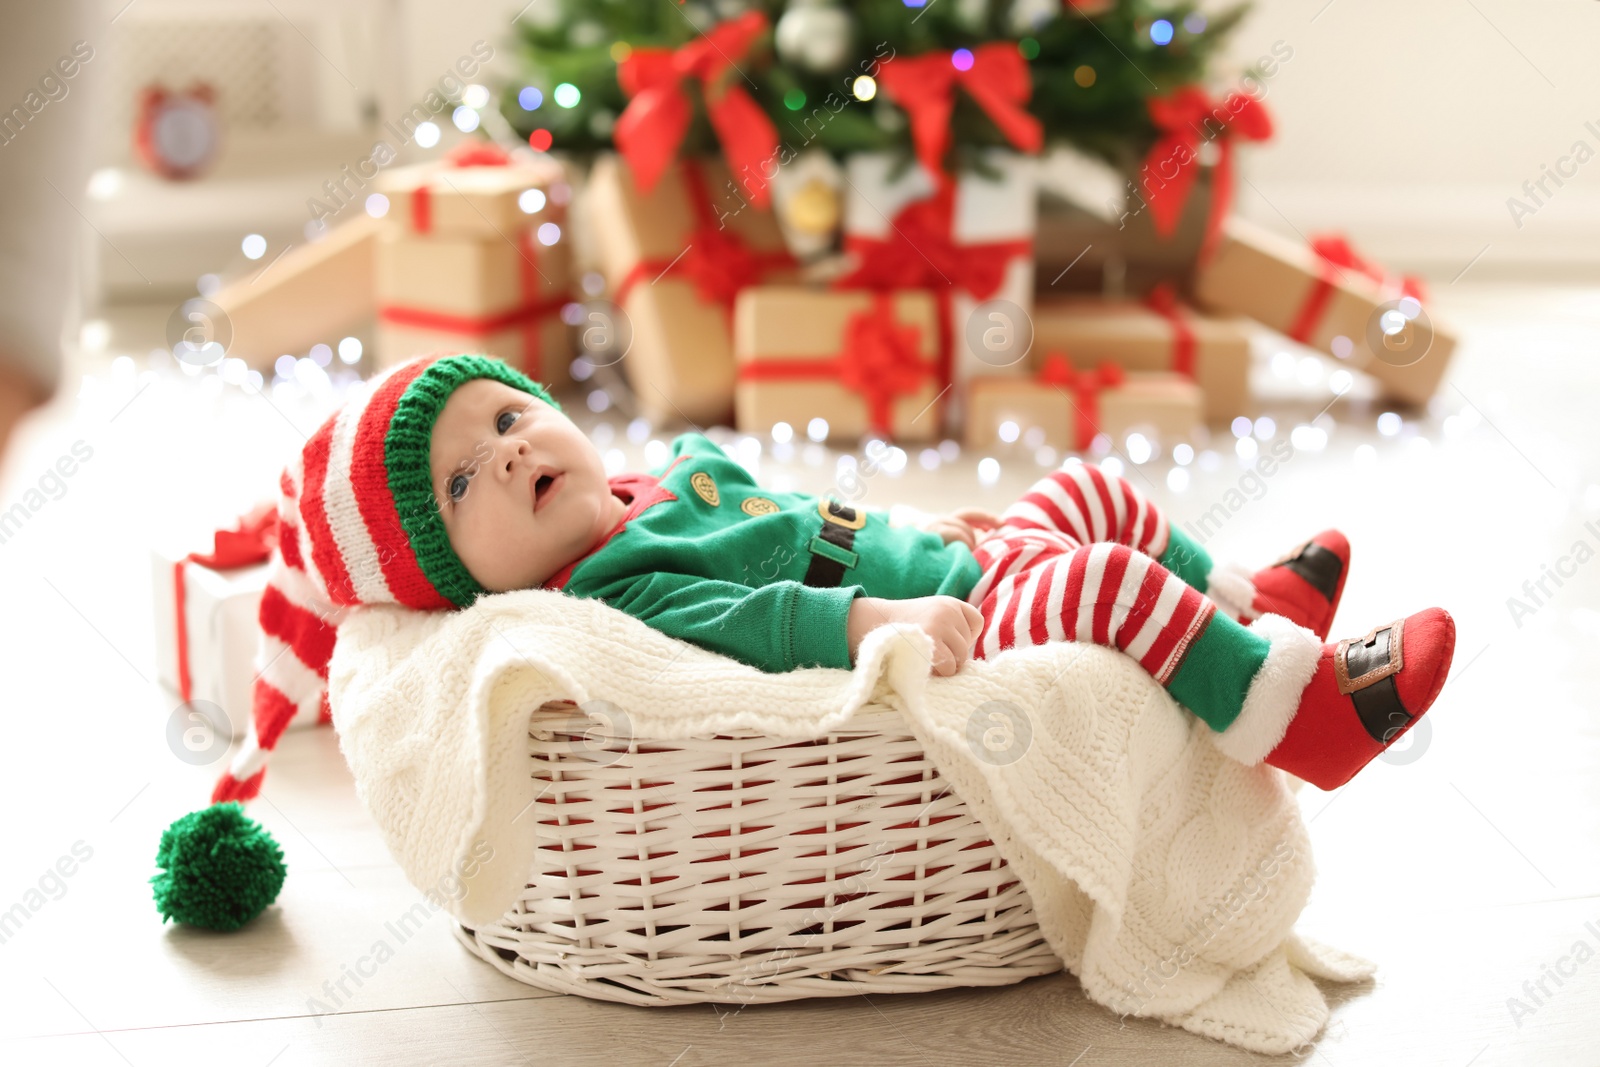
x,y
812,67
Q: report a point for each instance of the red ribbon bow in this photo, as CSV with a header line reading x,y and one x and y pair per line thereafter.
x,y
1335,255
925,86
1336,249
920,253
653,125
1184,119
716,260
1086,385
719,265
477,154
252,540
879,359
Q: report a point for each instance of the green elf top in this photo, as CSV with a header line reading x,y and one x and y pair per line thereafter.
x,y
707,555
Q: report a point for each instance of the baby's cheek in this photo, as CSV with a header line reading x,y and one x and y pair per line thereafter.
x,y
466,541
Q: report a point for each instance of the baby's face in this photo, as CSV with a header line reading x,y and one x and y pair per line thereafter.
x,y
521,490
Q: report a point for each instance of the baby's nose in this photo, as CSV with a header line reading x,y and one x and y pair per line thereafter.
x,y
513,451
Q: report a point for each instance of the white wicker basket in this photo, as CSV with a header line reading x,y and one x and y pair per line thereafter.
x,y
746,868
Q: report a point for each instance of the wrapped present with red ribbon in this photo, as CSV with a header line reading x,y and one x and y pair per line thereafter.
x,y
866,362
1185,120
1157,334
968,240
1328,296
675,257
475,189
206,628
500,295
1072,405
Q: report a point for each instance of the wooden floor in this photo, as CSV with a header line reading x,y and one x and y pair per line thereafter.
x,y
1470,873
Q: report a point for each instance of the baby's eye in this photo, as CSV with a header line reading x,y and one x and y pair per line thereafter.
x,y
450,488
501,424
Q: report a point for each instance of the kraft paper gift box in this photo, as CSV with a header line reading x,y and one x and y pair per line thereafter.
x,y
991,227
500,295
1297,291
674,259
479,199
1095,232
220,630
1073,405
550,338
313,292
1159,335
864,361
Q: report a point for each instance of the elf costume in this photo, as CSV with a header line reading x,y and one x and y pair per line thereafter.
x,y
705,554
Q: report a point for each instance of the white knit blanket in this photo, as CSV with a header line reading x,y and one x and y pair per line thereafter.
x,y
1166,876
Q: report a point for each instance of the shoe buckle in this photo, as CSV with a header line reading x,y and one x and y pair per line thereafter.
x,y
1392,663
1293,554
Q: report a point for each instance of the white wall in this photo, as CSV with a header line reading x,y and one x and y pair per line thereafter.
x,y
1410,122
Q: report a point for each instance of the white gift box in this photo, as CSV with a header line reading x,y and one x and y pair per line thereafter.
x,y
986,210
220,625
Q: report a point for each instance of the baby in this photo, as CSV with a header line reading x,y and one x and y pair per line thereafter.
x,y
455,476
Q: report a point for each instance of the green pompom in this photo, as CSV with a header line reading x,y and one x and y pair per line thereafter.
x,y
220,869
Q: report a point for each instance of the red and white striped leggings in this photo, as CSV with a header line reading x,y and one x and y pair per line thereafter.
x,y
1074,559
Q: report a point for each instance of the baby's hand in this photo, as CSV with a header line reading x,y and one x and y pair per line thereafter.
x,y
962,525
950,621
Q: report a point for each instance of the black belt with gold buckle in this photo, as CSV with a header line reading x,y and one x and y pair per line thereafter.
x,y
831,549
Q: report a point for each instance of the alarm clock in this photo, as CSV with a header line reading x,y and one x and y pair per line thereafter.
x,y
176,133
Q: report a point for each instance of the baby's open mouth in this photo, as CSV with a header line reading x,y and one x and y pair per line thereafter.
x,y
544,486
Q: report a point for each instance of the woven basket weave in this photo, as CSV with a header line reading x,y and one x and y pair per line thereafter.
x,y
744,868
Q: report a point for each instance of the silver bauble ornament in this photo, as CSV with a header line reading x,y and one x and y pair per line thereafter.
x,y
814,35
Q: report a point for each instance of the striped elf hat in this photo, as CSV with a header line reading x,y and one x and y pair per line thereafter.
x,y
358,523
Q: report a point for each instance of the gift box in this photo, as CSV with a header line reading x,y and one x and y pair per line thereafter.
x,y
1160,334
867,362
1075,250
501,295
969,240
313,292
674,259
1097,235
1325,295
1073,405
476,190
513,344
206,627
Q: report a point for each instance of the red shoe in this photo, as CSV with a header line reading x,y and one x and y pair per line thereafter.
x,y
1366,693
1305,585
